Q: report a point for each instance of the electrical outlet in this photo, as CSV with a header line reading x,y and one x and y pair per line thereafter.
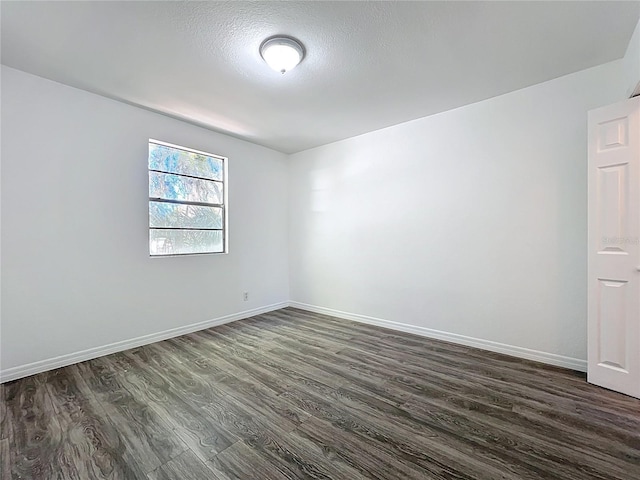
x,y
245,296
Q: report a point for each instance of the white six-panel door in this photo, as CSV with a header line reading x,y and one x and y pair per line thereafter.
x,y
614,247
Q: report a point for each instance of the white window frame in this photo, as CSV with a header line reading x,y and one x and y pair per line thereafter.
x,y
224,206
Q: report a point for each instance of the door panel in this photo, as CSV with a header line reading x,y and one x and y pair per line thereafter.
x,y
612,207
612,324
613,134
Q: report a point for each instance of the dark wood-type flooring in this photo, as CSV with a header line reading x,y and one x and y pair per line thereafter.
x,y
291,394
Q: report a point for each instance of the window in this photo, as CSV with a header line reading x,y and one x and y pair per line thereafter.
x,y
187,201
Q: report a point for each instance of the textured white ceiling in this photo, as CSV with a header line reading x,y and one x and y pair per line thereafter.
x,y
369,64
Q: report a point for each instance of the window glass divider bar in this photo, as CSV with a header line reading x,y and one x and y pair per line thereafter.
x,y
183,254
186,175
188,228
185,202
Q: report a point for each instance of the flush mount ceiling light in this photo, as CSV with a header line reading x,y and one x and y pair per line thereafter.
x,y
282,53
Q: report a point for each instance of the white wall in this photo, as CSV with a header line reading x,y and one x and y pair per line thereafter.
x,y
76,272
471,222
631,62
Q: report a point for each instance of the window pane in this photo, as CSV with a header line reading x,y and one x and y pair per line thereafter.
x,y
176,242
173,160
173,187
184,216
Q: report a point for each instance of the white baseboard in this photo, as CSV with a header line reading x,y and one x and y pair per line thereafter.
x,y
20,371
63,360
520,352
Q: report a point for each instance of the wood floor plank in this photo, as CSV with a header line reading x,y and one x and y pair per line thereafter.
x,y
263,431
312,328
295,456
171,354
425,379
196,429
147,436
90,446
350,372
294,394
186,466
547,455
372,462
572,387
240,462
6,416
390,428
245,337
36,429
5,459
265,402
239,366
506,423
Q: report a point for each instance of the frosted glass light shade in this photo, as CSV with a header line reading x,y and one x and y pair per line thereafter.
x,y
282,53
